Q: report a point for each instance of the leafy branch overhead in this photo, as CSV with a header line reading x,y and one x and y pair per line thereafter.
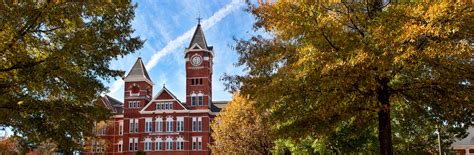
x,y
324,64
53,60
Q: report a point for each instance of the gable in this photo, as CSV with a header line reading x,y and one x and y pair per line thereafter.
x,y
164,99
163,96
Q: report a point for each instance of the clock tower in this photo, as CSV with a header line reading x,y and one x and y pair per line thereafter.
x,y
198,57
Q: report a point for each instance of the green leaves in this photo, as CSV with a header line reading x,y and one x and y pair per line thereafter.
x,y
53,58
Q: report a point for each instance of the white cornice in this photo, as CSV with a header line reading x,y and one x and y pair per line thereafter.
x,y
178,111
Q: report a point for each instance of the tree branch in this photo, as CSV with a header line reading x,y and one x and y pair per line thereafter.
x,y
20,66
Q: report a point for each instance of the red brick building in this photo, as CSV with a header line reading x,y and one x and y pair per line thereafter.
x,y
160,123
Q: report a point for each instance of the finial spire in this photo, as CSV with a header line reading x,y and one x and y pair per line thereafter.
x,y
199,19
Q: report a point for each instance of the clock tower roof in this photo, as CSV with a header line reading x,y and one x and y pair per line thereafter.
x,y
198,38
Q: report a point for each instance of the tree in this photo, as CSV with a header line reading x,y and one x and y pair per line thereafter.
x,y
327,63
54,58
240,129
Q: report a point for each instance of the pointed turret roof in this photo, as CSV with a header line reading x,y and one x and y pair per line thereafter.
x,y
138,72
198,38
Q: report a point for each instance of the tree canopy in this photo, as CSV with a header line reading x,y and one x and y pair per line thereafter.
x,y
241,129
323,65
54,58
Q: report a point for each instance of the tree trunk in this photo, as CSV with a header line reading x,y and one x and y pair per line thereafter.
x,y
385,129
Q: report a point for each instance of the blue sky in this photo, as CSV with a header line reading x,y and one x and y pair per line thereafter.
x,y
167,27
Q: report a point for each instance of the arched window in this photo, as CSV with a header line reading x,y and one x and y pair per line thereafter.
x,y
158,145
169,143
135,90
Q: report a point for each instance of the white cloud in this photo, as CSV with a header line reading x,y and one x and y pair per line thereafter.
x,y
172,45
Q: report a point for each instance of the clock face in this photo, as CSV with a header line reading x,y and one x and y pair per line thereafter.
x,y
196,60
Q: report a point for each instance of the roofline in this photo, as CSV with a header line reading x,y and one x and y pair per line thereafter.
x,y
161,91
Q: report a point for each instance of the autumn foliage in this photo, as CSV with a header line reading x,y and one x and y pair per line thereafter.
x,y
241,129
325,65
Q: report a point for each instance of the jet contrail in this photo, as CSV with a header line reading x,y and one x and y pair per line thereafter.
x,y
172,45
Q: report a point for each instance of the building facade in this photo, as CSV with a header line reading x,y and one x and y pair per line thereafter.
x,y
160,123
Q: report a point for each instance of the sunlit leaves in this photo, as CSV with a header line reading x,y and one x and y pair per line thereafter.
x,y
240,129
326,64
54,58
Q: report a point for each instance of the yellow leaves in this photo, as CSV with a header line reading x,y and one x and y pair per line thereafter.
x,y
239,129
20,102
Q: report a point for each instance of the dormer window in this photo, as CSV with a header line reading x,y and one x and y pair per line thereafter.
x,y
164,106
135,90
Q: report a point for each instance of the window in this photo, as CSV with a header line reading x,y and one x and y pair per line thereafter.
x,y
130,144
169,145
119,147
197,143
148,124
200,81
136,125
169,125
133,104
158,146
194,124
180,145
199,128
159,124
103,131
131,126
192,81
121,128
147,145
170,106
200,100
158,106
193,100
136,144
180,124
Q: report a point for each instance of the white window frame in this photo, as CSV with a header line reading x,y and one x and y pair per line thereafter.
x,y
199,124
180,143
147,144
159,124
121,127
193,125
169,126
136,126
169,144
199,139
158,145
130,127
179,124
148,124
130,144
200,100
194,142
